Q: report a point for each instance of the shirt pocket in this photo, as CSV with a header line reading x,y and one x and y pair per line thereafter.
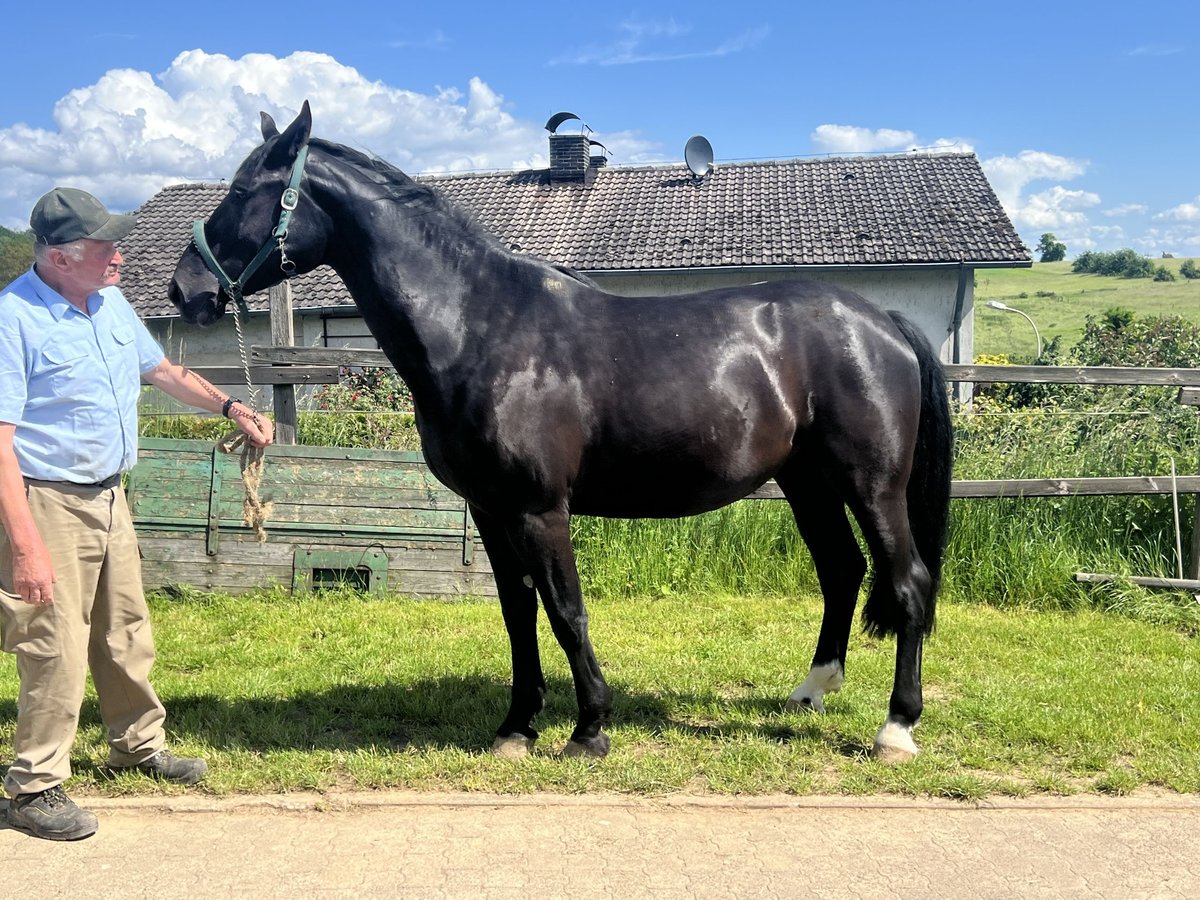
x,y
125,348
65,364
123,365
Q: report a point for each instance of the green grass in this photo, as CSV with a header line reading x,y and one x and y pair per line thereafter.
x,y
1059,301
340,691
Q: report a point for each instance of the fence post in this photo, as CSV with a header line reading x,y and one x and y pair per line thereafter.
x,y
283,335
1190,396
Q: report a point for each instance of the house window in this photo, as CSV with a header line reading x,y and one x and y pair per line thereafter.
x,y
339,332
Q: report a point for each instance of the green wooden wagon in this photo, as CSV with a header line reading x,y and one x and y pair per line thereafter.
x,y
376,519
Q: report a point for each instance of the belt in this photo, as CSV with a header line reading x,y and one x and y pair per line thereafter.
x,y
111,481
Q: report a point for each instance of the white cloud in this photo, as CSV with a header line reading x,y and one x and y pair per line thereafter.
x,y
1179,239
1009,175
1127,209
1083,236
946,145
1155,50
1184,212
853,139
131,133
642,41
1055,208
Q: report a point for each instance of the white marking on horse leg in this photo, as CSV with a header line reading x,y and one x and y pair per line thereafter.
x,y
514,746
823,679
894,743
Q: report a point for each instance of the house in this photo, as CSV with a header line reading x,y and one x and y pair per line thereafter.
x,y
906,231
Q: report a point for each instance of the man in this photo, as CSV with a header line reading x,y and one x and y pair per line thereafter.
x,y
72,353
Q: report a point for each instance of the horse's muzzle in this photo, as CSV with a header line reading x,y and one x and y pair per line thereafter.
x,y
201,307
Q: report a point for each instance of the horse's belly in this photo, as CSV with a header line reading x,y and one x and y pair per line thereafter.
x,y
657,492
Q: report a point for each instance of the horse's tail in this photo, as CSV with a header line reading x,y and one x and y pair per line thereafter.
x,y
928,492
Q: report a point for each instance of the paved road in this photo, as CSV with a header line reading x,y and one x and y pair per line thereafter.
x,y
485,846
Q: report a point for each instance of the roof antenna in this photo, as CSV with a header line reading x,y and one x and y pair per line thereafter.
x,y
698,154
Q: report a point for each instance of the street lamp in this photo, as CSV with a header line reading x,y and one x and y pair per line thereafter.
x,y
996,304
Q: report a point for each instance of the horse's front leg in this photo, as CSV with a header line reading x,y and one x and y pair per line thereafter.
x,y
544,544
518,604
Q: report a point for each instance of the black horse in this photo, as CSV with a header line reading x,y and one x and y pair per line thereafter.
x,y
538,396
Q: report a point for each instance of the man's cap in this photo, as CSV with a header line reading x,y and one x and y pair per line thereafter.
x,y
68,214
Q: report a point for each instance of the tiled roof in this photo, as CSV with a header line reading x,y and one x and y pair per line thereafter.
x,y
854,211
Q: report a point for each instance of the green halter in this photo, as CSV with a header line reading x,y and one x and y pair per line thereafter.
x,y
233,287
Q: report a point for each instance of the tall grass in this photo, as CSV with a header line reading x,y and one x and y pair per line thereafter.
x,y
377,430
750,548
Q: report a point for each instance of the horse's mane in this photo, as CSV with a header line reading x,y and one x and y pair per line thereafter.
x,y
390,183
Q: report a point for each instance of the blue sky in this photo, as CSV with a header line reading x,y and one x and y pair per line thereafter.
x,y
1084,115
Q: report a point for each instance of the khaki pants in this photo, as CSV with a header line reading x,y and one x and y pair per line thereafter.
x,y
99,619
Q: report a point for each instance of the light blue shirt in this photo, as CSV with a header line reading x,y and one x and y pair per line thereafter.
x,y
70,382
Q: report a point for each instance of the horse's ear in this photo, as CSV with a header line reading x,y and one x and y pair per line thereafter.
x,y
293,138
269,128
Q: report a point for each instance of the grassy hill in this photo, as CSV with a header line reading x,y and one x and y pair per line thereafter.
x,y
1059,301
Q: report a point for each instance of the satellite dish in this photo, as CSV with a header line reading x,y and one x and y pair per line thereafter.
x,y
557,119
698,154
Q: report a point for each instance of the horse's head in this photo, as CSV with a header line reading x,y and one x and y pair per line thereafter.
x,y
252,240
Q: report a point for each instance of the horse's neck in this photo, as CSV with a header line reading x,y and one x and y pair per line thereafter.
x,y
417,276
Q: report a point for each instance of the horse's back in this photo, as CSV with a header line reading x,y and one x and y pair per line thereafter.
x,y
701,398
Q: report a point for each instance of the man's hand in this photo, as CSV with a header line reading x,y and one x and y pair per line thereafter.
x,y
259,430
33,575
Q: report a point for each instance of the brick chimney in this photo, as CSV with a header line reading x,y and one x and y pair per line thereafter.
x,y
569,157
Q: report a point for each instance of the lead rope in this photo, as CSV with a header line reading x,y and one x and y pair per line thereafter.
x,y
254,512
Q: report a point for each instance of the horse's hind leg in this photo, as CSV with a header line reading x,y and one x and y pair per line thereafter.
x,y
821,519
898,604
518,604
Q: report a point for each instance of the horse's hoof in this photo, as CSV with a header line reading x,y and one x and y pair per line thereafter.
x,y
894,744
804,704
512,746
810,696
595,748
892,755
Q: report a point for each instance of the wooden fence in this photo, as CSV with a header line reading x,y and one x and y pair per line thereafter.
x,y
283,366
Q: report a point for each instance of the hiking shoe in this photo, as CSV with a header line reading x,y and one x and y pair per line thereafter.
x,y
166,766
51,814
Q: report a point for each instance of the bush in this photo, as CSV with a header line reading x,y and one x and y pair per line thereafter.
x,y
1189,270
365,390
1127,263
1117,317
1162,273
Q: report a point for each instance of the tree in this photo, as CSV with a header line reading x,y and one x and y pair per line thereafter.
x,y
1189,269
1051,249
16,253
